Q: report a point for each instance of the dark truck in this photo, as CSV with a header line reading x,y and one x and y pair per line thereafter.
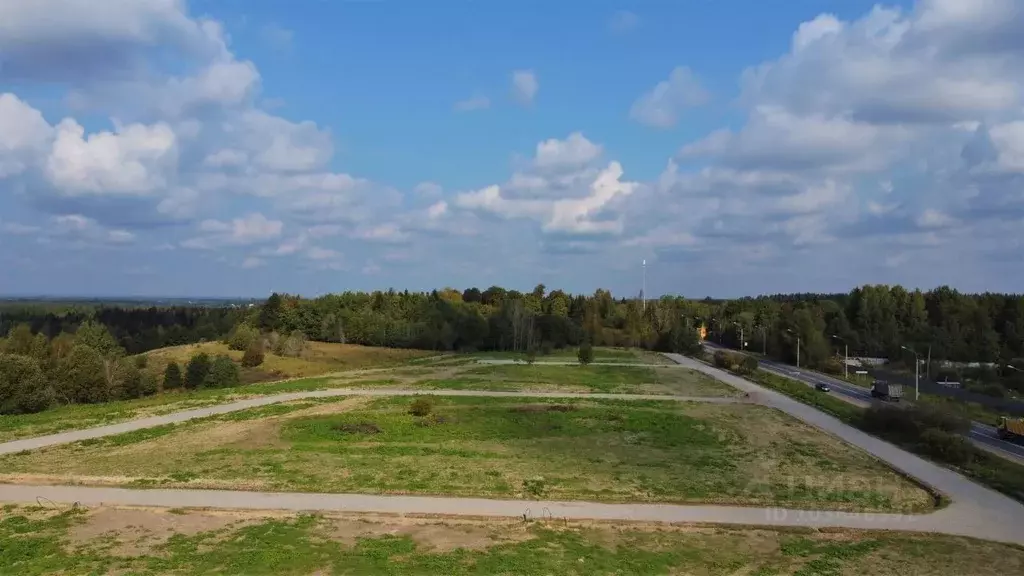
x,y
886,391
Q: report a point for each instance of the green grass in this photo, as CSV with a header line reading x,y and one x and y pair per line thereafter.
x,y
613,451
593,378
35,543
601,354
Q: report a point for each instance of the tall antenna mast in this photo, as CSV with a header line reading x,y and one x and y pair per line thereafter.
x,y
643,292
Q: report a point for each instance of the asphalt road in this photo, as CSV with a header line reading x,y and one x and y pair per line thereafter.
x,y
981,434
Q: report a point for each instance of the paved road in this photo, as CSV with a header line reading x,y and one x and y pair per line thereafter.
x,y
109,430
975,509
982,435
941,521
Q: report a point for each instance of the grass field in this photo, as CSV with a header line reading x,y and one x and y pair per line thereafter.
x,y
593,378
134,541
612,451
321,358
601,354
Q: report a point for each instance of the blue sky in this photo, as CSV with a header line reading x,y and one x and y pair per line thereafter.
x,y
228,147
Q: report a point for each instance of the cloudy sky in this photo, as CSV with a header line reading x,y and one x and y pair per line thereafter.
x,y
235,147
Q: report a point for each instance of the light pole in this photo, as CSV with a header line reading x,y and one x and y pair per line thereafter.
x,y
917,369
741,334
790,330
846,356
643,290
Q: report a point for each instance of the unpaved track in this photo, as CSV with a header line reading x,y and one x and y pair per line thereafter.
x,y
111,429
976,511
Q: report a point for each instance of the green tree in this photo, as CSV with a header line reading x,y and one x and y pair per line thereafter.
x,y
23,388
196,371
223,373
253,356
242,337
99,338
172,376
585,354
81,376
125,380
19,340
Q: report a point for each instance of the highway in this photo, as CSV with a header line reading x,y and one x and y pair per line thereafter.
x,y
983,435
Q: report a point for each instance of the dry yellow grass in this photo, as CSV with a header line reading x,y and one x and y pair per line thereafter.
x,y
319,358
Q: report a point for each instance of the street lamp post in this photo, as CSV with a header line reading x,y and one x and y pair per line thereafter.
x,y
846,356
917,370
790,330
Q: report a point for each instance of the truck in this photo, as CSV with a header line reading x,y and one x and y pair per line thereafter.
x,y
886,391
1011,429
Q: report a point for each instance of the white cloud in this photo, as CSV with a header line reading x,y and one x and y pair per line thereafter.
x,y
437,210
428,189
81,229
573,152
280,145
24,136
623,22
226,158
253,228
474,102
662,106
132,161
524,86
932,218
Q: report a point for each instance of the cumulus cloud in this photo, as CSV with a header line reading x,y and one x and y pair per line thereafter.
x,y
253,228
524,86
24,137
583,209
662,106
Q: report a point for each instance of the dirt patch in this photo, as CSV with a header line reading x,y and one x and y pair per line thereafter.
x,y
544,408
432,420
134,532
433,535
358,428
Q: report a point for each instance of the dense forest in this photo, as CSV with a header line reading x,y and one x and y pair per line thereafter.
x,y
940,324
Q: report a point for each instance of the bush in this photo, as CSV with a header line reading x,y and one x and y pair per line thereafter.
x,y
253,356
749,364
950,448
82,376
23,388
223,373
585,354
531,356
196,371
535,486
293,346
832,366
243,337
172,377
724,360
125,380
421,406
148,384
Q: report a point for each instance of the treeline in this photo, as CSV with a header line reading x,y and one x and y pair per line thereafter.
x,y
136,329
88,367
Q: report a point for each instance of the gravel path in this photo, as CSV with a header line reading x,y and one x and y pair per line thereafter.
x,y
976,511
111,429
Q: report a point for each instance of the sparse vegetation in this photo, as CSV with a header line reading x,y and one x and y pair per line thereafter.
x,y
42,541
421,406
613,451
585,353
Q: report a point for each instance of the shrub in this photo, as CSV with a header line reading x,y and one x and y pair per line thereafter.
x,y
141,361
147,384
950,448
243,337
196,371
749,364
125,380
294,345
23,388
421,406
253,356
82,376
172,377
723,360
585,354
832,366
223,373
535,486
531,356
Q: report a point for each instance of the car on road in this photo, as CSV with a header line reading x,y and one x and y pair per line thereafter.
x,y
822,387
